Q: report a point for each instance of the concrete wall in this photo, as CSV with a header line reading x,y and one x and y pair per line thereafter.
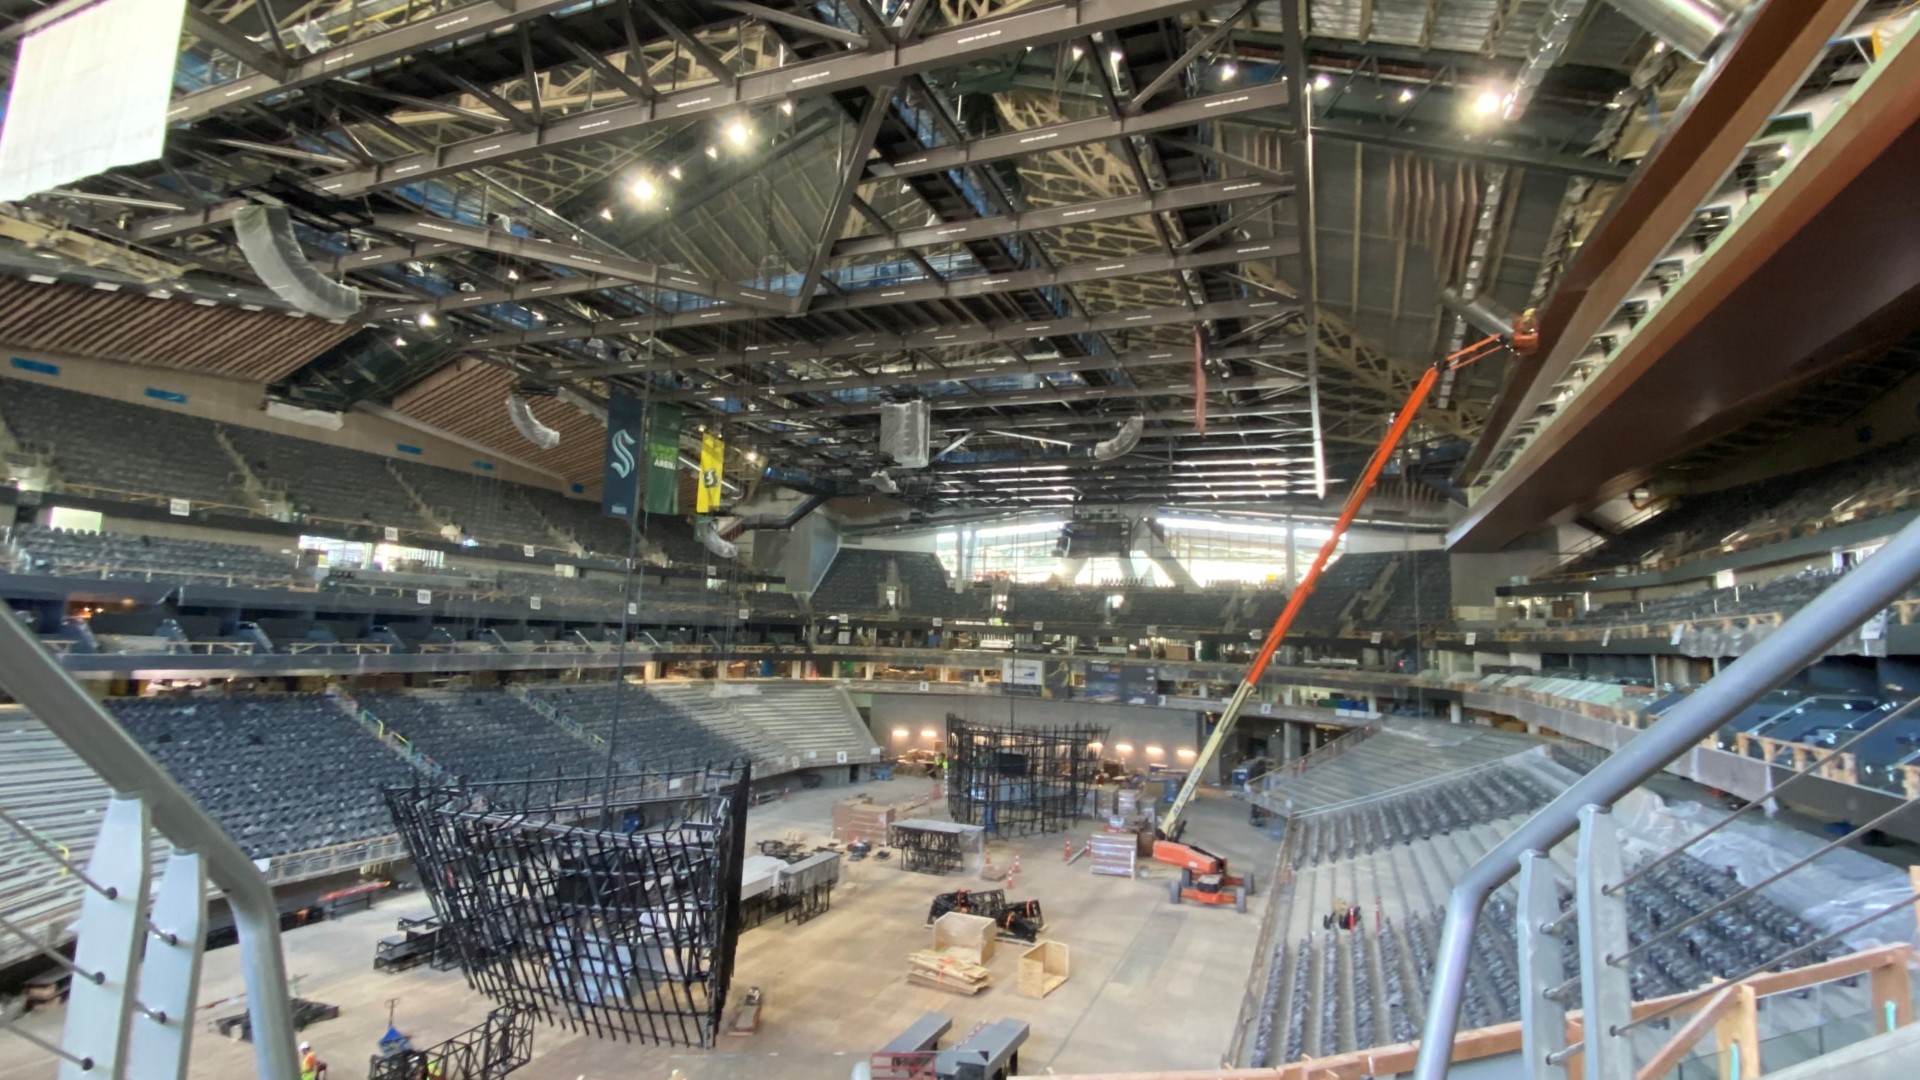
x,y
242,404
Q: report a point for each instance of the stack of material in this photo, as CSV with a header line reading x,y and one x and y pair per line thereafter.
x,y
948,970
1114,853
861,818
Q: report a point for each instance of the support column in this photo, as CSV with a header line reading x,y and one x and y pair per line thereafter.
x,y
1455,714
1606,997
870,670
1293,559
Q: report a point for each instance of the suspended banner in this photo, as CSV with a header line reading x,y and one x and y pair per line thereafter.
x,y
620,478
663,459
713,462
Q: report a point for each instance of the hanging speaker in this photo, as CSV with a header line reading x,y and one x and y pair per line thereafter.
x,y
905,429
266,237
529,425
1123,441
711,539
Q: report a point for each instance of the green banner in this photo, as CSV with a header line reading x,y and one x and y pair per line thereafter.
x,y
663,459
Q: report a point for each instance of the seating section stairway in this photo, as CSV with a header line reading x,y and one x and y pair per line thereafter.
x,y
651,731
282,773
45,787
1400,752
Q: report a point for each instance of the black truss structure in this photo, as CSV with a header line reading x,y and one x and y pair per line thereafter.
x,y
612,916
487,1051
1017,781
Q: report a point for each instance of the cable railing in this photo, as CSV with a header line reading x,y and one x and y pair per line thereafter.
x,y
1601,915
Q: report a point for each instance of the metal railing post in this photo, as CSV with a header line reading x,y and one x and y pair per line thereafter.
x,y
1799,641
34,678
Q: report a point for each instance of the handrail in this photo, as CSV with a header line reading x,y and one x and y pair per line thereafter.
x,y
1842,608
35,679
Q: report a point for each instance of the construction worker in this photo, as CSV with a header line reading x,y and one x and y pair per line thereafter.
x,y
311,1067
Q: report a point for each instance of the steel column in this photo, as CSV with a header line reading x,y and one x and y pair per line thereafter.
x,y
1798,642
1606,995
1543,1021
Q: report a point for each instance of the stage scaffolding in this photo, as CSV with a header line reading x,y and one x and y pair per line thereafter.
x,y
615,917
1015,781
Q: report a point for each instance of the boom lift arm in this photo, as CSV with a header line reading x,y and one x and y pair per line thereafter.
x,y
1521,339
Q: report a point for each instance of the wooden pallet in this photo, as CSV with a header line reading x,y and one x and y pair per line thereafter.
x,y
947,970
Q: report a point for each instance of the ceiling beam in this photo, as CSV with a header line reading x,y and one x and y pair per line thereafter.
x,y
574,257
835,221
951,47
268,61
1188,113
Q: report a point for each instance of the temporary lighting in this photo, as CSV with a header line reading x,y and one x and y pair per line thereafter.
x,y
1405,96
513,275
1228,70
752,457
901,733
738,132
1322,81
1094,746
929,733
426,320
1185,753
713,151
1124,748
1155,751
643,189
606,213
1487,103
786,108
1077,52
399,342
673,171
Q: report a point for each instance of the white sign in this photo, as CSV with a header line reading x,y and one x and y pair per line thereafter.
x,y
743,613
1377,637
1606,636
924,686
533,602
1021,672
392,534
1038,626
1153,631
840,756
1472,636
527,550
846,637
936,622
633,609
1266,708
424,596
179,507
1678,630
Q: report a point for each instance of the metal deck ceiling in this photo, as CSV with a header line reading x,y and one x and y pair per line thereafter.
x,y
1137,169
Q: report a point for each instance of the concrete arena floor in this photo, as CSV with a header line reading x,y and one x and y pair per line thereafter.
x,y
1153,985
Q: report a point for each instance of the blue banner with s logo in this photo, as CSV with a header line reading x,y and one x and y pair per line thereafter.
x,y
620,478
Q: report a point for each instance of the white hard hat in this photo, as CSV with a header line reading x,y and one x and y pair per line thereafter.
x,y
306,1046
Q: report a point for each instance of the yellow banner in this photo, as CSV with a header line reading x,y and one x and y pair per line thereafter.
x,y
713,461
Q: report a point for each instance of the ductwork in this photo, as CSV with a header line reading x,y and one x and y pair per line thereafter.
x,y
1696,28
710,538
529,425
1549,40
265,235
1481,312
1123,441
773,522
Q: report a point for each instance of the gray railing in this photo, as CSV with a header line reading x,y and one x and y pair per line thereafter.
x,y
1600,904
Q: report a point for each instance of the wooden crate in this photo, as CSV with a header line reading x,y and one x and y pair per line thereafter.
x,y
862,819
959,934
1113,853
1043,968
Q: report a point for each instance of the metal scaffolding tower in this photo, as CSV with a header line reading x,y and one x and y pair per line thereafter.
x,y
1016,781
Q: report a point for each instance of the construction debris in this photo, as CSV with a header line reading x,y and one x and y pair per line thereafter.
x,y
948,969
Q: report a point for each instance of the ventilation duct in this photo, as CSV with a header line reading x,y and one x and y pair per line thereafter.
x,y
1481,312
905,430
266,237
1549,41
711,539
1694,27
1123,441
529,425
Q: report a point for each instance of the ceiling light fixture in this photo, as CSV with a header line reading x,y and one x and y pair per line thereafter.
x,y
738,132
399,342
1322,81
643,189
513,275
1405,96
606,213
786,107
713,151
1117,56
673,171
1487,103
1077,52
1228,70
426,320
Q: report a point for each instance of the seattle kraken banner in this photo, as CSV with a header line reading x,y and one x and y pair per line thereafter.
x,y
663,459
713,462
620,478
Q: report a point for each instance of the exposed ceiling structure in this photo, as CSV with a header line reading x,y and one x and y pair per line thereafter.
x,y
782,214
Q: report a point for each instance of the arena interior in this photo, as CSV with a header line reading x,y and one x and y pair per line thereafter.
x,y
959,539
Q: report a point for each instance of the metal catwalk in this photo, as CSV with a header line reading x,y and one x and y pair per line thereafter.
x,y
617,917
1016,781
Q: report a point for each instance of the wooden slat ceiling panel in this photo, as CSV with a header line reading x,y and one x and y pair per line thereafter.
x,y
259,346
468,399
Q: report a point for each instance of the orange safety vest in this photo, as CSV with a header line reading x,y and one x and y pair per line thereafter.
x,y
310,1066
